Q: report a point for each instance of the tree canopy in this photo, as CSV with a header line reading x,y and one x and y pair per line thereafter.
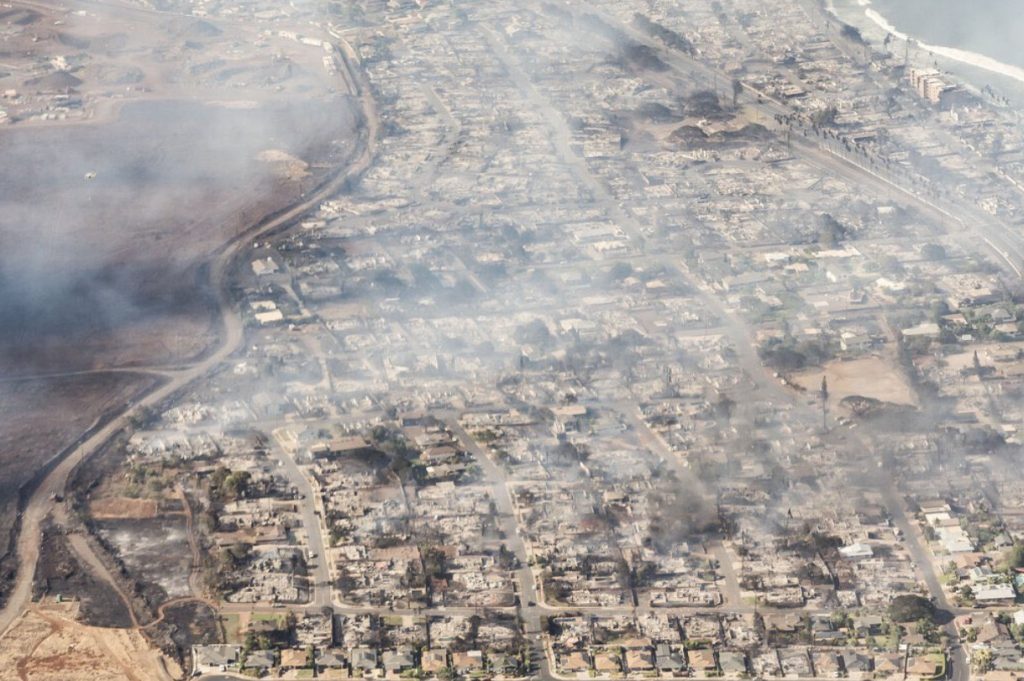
x,y
1014,557
911,608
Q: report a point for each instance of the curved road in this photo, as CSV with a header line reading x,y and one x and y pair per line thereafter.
x,y
41,503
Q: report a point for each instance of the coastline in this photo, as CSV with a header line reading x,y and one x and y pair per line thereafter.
x,y
976,70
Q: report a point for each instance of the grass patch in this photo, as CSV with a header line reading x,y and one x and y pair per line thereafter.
x,y
280,619
232,628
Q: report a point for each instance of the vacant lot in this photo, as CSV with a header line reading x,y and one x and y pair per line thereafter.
x,y
868,377
47,644
155,551
123,508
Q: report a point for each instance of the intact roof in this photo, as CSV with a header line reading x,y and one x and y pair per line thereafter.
x,y
217,655
331,658
260,659
364,658
398,659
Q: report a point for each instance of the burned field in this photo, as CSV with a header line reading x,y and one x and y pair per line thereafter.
x,y
130,159
38,420
154,552
101,266
60,572
139,523
122,553
137,527
183,625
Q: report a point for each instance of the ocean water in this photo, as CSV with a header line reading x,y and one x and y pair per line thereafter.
x,y
994,28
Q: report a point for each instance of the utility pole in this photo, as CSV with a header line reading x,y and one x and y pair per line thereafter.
x,y
824,403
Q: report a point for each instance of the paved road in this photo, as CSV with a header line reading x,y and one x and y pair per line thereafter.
x,y
926,564
317,561
529,607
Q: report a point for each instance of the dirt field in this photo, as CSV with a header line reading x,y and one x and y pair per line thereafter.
x,y
47,644
869,377
121,508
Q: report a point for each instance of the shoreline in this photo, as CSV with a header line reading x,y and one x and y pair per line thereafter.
x,y
968,57
972,67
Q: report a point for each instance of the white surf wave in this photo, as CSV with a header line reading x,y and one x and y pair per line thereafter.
x,y
974,59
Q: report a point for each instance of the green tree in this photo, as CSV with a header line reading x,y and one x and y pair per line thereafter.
x,y
830,231
981,660
911,608
236,485
927,628
852,33
1013,557
620,271
940,308
826,117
